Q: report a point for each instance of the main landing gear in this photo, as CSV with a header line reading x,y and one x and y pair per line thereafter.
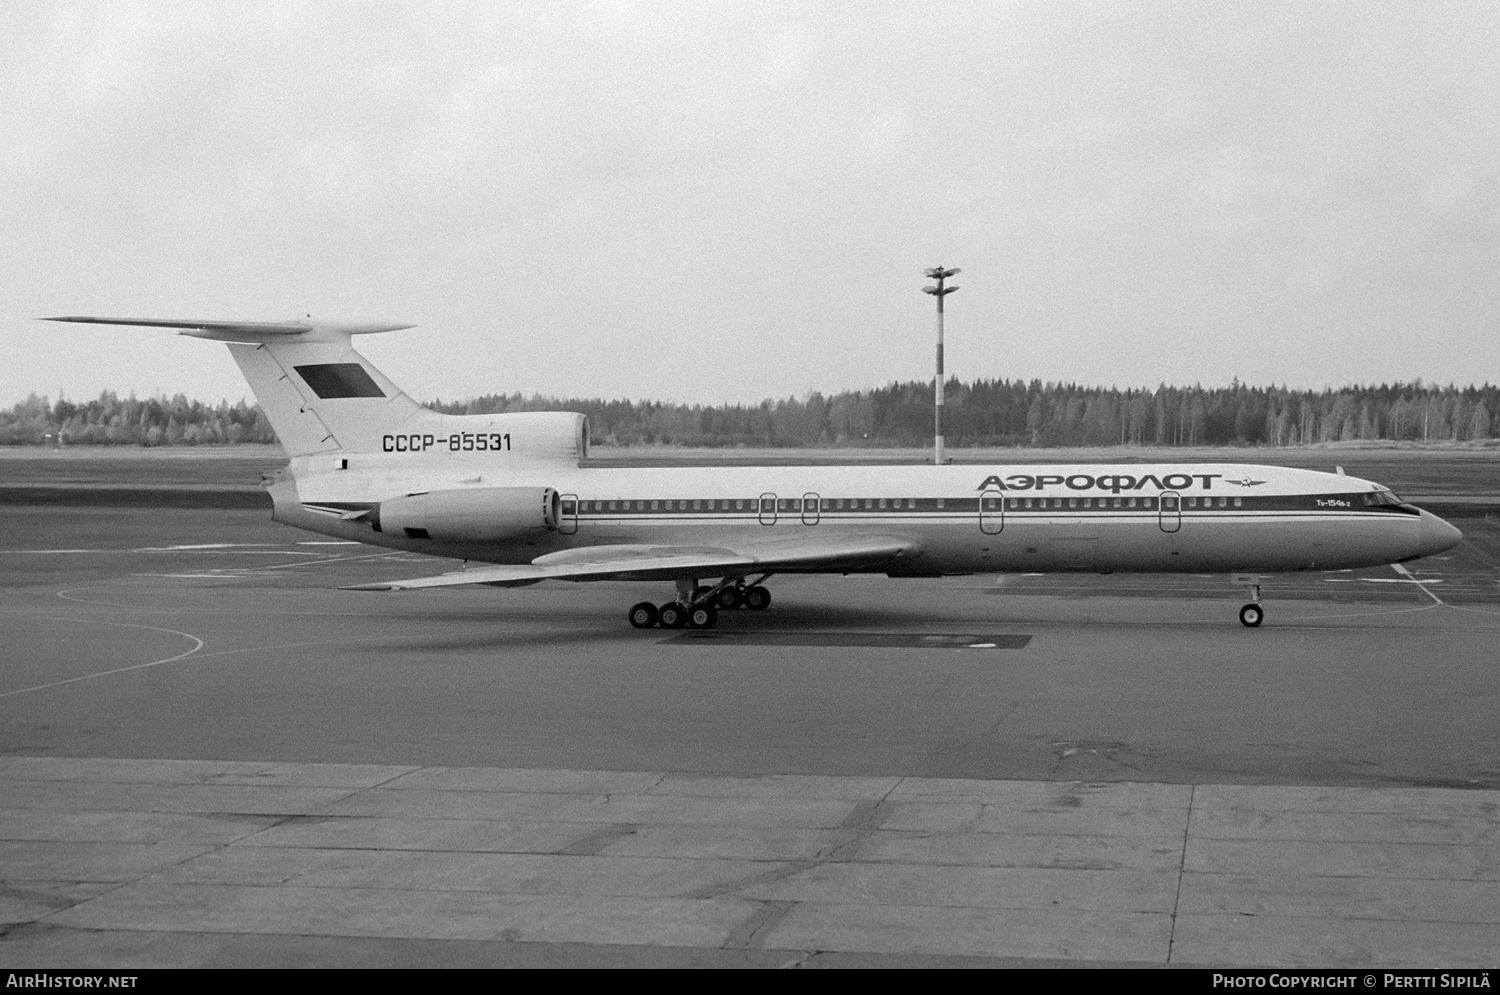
x,y
697,606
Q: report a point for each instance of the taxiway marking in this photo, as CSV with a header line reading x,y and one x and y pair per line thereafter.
x,y
198,645
1400,568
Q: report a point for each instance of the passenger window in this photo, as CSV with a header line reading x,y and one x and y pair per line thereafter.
x,y
1072,502
654,505
1223,502
1117,502
1132,502
1057,502
739,504
1239,502
1028,502
1192,502
882,502
939,502
611,506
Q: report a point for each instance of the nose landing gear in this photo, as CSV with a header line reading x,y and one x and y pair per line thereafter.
x,y
1253,614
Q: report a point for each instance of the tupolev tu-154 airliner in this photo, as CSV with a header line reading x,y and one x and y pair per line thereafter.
x,y
508,491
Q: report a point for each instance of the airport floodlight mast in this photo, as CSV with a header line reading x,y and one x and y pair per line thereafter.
x,y
939,274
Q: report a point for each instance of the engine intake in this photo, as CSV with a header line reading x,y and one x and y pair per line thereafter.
x,y
474,514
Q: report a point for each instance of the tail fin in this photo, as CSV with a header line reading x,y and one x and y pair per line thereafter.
x,y
318,392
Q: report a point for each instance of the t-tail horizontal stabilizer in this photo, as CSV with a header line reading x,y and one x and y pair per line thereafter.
x,y
318,392
249,331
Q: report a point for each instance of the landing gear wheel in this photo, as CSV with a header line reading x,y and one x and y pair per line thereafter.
x,y
702,617
757,598
1251,615
644,615
700,592
731,598
672,615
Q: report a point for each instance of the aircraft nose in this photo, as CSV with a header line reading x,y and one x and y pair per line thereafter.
x,y
1437,535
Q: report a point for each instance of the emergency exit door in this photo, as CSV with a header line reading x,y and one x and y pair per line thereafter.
x,y
991,512
1169,514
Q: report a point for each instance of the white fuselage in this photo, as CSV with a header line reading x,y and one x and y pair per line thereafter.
x,y
1162,517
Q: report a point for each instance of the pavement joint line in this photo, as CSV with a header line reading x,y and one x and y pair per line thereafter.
x,y
594,843
1187,827
751,933
781,873
865,816
40,921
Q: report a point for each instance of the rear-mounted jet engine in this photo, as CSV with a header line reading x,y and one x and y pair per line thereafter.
x,y
475,514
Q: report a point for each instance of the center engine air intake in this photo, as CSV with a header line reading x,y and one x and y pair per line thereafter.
x,y
473,514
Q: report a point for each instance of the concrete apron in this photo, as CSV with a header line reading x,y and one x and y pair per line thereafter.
x,y
120,863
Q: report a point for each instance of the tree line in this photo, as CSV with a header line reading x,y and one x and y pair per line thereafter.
x,y
111,420
981,413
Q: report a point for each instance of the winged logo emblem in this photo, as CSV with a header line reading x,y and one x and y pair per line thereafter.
x,y
1244,481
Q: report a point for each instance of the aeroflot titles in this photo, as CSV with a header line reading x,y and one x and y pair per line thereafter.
x,y
1112,482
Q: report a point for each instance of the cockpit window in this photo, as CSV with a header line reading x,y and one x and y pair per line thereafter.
x,y
1385,497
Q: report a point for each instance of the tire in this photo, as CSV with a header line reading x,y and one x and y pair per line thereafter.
x,y
1251,615
757,598
644,615
672,615
700,592
731,598
702,617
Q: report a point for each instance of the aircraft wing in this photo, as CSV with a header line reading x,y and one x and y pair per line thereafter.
x,y
639,562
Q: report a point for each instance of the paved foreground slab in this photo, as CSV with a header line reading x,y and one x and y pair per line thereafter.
x,y
137,863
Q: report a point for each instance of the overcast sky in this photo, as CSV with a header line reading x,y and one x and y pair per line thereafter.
x,y
727,201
